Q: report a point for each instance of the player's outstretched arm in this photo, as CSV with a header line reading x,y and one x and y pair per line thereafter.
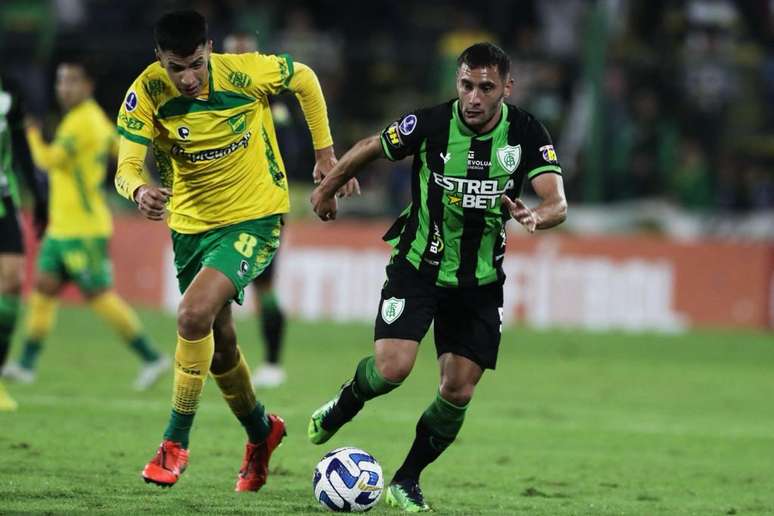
x,y
552,209
44,156
306,87
363,152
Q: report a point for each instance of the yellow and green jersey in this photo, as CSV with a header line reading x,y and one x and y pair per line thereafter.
x,y
218,154
76,163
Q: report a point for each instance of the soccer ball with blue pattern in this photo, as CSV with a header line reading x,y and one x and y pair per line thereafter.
x,y
348,480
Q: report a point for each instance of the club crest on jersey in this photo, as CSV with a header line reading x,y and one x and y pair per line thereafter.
x,y
392,309
408,124
239,79
548,153
509,157
183,132
131,101
238,123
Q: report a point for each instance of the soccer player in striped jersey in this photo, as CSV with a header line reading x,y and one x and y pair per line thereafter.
x,y
75,246
223,192
15,161
471,157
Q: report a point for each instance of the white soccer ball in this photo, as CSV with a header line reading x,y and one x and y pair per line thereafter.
x,y
348,480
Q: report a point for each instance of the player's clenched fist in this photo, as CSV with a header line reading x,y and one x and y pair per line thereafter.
x,y
151,201
521,212
324,205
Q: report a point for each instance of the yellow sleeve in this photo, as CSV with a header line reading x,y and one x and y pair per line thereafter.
x,y
135,118
307,89
47,156
270,74
129,175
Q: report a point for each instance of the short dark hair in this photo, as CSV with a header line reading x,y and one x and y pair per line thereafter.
x,y
485,54
88,64
180,32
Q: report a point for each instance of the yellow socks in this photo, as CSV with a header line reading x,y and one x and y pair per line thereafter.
x,y
238,393
192,363
118,314
124,320
41,315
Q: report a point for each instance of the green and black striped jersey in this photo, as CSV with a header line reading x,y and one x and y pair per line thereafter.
x,y
454,229
8,116
14,153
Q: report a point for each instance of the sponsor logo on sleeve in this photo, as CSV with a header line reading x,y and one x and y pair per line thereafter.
x,y
183,132
393,137
408,124
548,153
131,123
131,101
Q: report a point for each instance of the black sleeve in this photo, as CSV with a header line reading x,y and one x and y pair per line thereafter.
x,y
404,136
539,154
22,159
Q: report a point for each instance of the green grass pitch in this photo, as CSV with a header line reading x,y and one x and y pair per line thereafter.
x,y
570,423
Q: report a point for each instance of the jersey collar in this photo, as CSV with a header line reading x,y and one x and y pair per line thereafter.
x,y
467,131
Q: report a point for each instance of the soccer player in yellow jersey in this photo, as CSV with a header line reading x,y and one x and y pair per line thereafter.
x,y
222,194
272,319
75,245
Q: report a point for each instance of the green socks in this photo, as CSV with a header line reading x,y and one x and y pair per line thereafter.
x,y
9,312
369,383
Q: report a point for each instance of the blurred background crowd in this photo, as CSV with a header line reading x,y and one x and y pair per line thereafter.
x,y
666,102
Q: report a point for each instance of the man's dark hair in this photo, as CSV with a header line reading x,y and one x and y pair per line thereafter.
x,y
485,54
180,32
88,64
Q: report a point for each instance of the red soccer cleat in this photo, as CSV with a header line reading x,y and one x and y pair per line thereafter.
x,y
255,465
167,465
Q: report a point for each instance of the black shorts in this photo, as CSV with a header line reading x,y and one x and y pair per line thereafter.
x,y
468,321
11,240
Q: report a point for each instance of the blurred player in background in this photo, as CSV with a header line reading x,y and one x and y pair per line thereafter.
x,y
269,312
75,246
471,157
224,193
14,160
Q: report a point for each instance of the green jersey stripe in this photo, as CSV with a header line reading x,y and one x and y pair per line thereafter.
x,y
433,251
82,189
386,149
136,138
542,170
474,221
217,101
287,72
412,221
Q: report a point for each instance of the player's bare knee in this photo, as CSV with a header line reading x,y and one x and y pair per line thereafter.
x,y
47,285
457,394
11,284
193,322
394,371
